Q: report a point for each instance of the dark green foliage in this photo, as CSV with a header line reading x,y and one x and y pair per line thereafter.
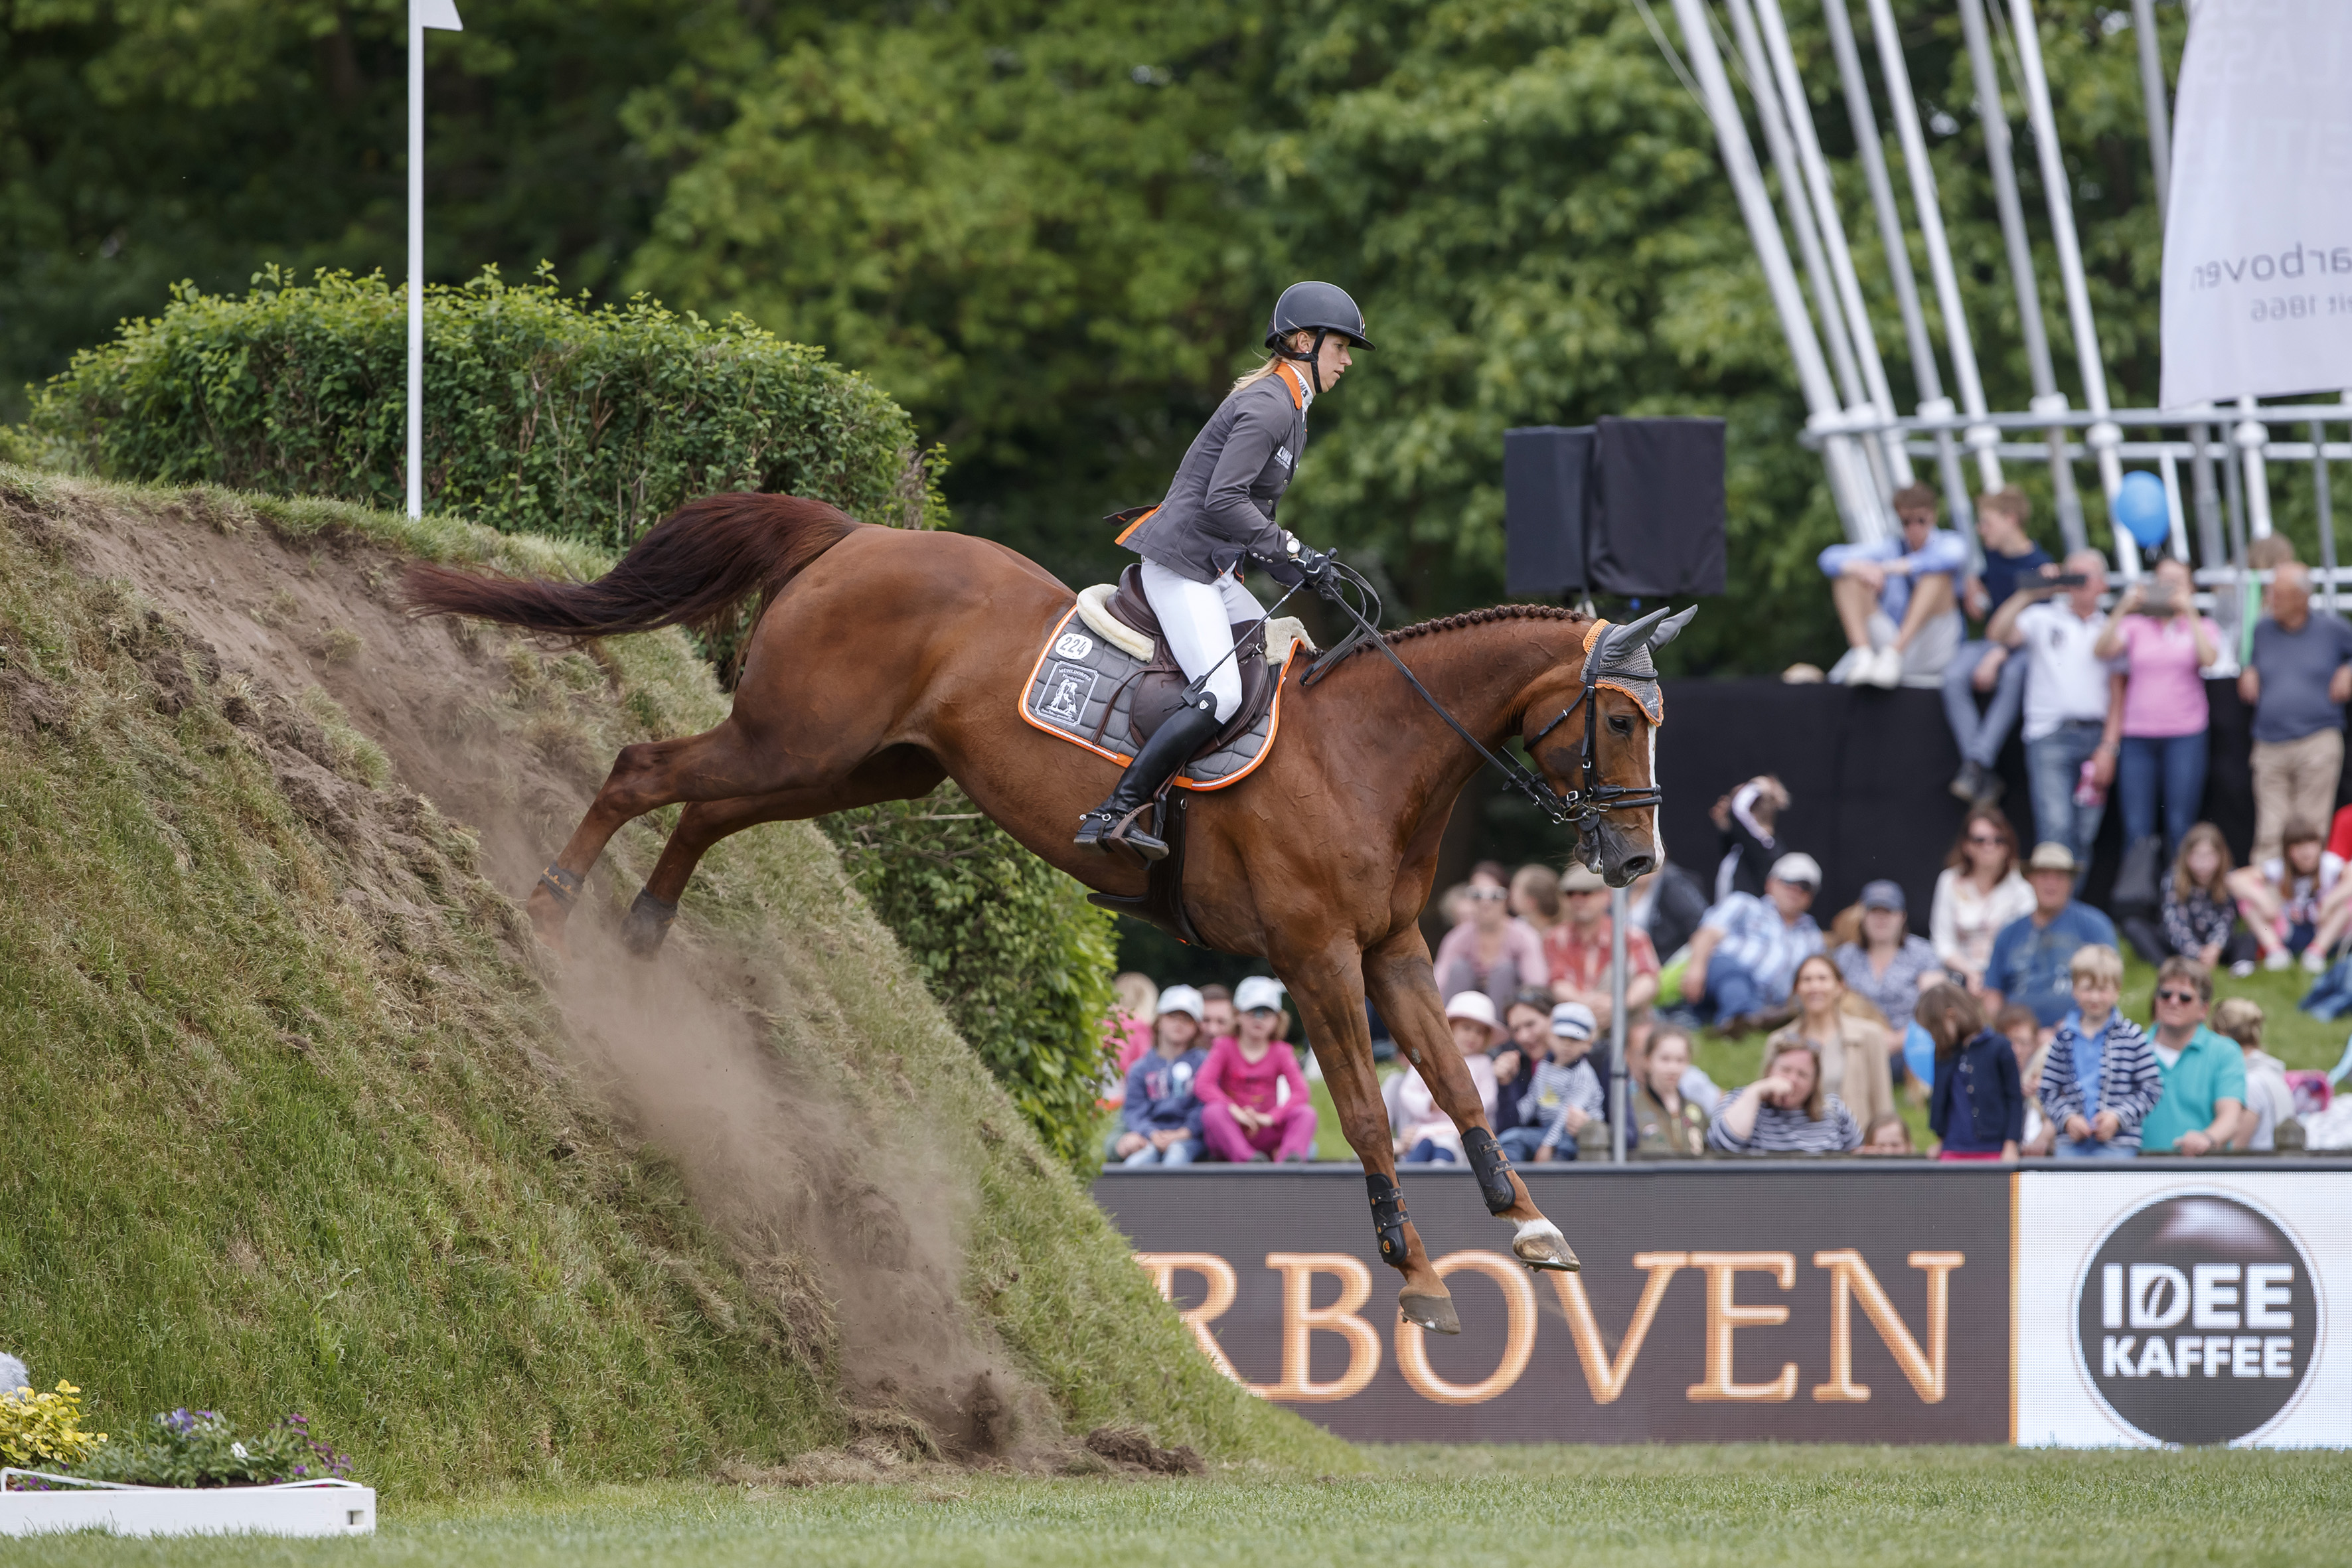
x,y
542,414
1008,944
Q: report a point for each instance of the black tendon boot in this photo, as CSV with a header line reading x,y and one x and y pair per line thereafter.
x,y
1180,735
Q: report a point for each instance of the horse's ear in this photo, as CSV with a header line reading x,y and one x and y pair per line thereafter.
x,y
1625,639
1672,629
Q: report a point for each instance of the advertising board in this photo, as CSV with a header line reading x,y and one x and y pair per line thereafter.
x,y
1864,1302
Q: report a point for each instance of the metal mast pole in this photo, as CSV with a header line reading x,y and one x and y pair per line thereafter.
x,y
2103,436
1930,379
1619,1102
1858,507
415,258
2151,92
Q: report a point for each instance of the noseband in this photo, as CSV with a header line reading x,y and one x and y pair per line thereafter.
x,y
1628,670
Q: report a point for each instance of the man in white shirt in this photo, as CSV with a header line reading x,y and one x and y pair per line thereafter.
x,y
2069,721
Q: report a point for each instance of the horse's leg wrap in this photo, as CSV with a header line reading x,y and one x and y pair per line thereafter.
x,y
1493,1168
562,884
648,924
1388,1217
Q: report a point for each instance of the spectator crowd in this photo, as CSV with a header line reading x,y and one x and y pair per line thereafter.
x,y
2002,1021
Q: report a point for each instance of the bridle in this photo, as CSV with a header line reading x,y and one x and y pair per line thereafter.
x,y
1608,659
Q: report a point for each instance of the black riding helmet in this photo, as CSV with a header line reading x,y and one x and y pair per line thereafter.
x,y
1321,308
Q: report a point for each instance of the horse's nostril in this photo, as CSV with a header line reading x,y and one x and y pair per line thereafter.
x,y
1634,866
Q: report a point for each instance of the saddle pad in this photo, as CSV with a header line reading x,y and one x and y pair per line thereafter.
x,y
1080,690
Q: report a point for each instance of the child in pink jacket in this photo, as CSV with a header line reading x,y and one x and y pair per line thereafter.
x,y
1243,1114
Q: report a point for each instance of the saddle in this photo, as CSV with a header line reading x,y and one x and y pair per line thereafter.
x,y
1159,687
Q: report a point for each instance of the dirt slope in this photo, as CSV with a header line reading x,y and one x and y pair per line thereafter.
x,y
874,1243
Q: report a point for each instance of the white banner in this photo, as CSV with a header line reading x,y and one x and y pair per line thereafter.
x,y
2258,232
2155,1308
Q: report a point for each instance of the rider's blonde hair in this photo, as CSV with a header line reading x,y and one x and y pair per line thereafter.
x,y
1272,366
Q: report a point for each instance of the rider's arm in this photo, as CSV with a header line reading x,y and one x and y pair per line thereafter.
x,y
1229,510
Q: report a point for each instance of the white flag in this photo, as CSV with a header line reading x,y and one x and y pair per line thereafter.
x,y
441,14
2258,234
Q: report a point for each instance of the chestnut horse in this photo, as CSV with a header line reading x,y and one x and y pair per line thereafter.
x,y
883,660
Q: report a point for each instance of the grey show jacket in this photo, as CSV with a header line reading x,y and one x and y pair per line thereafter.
x,y
1220,506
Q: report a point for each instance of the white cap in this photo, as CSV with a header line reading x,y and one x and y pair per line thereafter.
x,y
1476,1007
1184,999
1574,1021
1259,991
1799,867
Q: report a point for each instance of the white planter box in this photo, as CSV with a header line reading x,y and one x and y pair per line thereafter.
x,y
295,1507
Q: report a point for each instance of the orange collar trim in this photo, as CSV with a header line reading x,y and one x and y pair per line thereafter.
x,y
1290,378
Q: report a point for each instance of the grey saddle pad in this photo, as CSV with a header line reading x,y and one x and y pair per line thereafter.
x,y
1081,690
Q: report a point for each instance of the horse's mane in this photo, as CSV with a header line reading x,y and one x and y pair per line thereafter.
x,y
1485,617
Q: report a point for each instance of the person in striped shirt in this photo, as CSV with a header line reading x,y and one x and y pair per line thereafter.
x,y
2101,1078
1785,1111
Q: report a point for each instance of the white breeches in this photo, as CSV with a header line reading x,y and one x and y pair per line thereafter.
x,y
1198,620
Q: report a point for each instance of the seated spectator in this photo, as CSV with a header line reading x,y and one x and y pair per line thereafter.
x,y
1136,1002
1747,951
1696,1087
2204,1076
1898,599
1978,1105
1785,1111
2072,728
2198,910
2164,645
1254,1099
2282,899
1489,951
2297,682
1890,1134
1528,1021
2270,1099
1220,1021
1850,1051
1889,967
1666,1124
2011,559
1977,892
1159,1121
1423,1132
1535,899
2032,957
1745,820
1564,1095
1577,950
2100,1081
1668,904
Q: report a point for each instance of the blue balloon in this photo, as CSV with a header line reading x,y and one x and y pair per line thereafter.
x,y
2140,510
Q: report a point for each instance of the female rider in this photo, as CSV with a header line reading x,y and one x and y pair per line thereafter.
x,y
1219,510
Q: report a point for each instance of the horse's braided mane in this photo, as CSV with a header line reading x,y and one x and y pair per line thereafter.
x,y
1486,617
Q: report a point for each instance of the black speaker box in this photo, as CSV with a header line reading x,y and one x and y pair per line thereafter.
x,y
1544,471
1626,506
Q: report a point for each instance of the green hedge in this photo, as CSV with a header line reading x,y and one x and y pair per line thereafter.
x,y
542,414
1008,944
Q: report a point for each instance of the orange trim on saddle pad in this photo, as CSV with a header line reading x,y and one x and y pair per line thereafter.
x,y
1652,707
1045,649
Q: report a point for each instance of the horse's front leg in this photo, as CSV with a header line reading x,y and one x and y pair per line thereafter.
x,y
1328,989
1404,987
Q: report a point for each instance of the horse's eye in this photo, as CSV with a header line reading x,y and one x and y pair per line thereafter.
x,y
1621,725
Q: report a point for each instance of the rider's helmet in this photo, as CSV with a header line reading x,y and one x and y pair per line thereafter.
x,y
1323,307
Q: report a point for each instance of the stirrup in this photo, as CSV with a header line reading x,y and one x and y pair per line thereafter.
x,y
1104,828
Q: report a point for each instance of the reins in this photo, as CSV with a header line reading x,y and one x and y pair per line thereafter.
x,y
1583,805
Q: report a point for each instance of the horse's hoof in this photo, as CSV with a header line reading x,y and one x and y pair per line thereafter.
x,y
1539,1245
647,925
1435,1313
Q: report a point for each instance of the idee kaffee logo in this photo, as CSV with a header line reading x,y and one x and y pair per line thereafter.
x,y
2197,1318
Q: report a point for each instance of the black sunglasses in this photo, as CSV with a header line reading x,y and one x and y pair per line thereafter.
x,y
2176,996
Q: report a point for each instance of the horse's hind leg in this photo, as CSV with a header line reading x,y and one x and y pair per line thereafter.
x,y
1404,987
901,773
1329,991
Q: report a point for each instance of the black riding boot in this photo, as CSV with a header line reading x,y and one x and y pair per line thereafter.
x,y
1180,735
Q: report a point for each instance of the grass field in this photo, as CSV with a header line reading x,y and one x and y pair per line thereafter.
x,y
1693,1505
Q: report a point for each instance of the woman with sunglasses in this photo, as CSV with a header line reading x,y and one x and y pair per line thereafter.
x,y
1979,892
1491,950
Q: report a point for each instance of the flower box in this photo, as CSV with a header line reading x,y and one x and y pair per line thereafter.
x,y
324,1506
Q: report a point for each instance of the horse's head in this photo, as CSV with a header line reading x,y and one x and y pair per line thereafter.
x,y
1604,750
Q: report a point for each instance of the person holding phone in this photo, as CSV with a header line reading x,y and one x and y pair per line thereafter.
x,y
2166,646
2072,729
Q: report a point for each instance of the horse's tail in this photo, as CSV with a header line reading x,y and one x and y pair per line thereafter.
x,y
694,568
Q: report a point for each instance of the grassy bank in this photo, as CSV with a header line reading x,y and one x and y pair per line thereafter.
x,y
291,1110
1693,1508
